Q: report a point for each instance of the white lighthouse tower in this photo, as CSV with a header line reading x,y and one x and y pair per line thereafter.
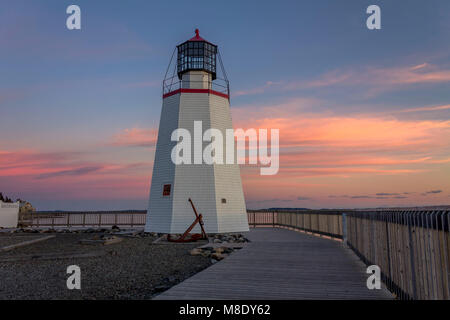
x,y
194,93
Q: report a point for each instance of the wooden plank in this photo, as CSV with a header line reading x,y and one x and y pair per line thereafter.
x,y
281,264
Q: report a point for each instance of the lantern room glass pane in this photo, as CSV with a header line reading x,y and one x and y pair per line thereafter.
x,y
196,55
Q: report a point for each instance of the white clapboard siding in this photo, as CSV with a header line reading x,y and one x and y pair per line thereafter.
x,y
159,217
205,184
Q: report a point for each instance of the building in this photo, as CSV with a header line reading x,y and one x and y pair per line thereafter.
x,y
9,214
26,207
195,93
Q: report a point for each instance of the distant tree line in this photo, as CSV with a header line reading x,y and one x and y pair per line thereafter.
x,y
5,198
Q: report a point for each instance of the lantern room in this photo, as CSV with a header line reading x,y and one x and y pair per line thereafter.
x,y
197,54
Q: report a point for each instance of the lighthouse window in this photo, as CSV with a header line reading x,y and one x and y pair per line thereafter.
x,y
166,190
196,55
224,200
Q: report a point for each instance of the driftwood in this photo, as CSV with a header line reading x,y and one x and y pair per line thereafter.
x,y
25,243
105,241
52,256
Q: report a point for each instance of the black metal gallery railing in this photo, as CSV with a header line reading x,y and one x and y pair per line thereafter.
x,y
173,84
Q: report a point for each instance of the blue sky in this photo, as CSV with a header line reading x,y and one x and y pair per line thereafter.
x,y
75,93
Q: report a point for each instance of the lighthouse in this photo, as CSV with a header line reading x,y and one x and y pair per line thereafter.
x,y
195,99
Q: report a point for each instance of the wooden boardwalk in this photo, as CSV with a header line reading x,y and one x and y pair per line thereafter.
x,y
281,264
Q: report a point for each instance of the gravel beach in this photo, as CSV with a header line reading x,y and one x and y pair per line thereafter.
x,y
132,269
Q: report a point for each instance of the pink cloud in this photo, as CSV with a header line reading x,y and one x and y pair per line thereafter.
x,y
257,90
363,131
424,109
334,151
378,78
320,153
37,165
62,176
137,137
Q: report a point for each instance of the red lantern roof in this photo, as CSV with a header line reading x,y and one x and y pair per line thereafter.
x,y
197,36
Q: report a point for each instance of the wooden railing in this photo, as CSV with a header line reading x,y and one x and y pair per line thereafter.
x,y
321,222
83,219
411,247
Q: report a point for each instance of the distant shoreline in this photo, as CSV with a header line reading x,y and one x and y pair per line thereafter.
x,y
436,207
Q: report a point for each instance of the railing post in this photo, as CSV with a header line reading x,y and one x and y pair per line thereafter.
x,y
84,219
344,228
409,218
254,219
132,216
68,220
99,220
273,219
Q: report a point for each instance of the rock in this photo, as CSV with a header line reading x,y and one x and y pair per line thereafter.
x,y
115,228
227,250
161,288
195,252
218,250
228,238
217,256
206,253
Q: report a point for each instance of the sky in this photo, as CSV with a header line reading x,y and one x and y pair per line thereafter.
x,y
364,115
